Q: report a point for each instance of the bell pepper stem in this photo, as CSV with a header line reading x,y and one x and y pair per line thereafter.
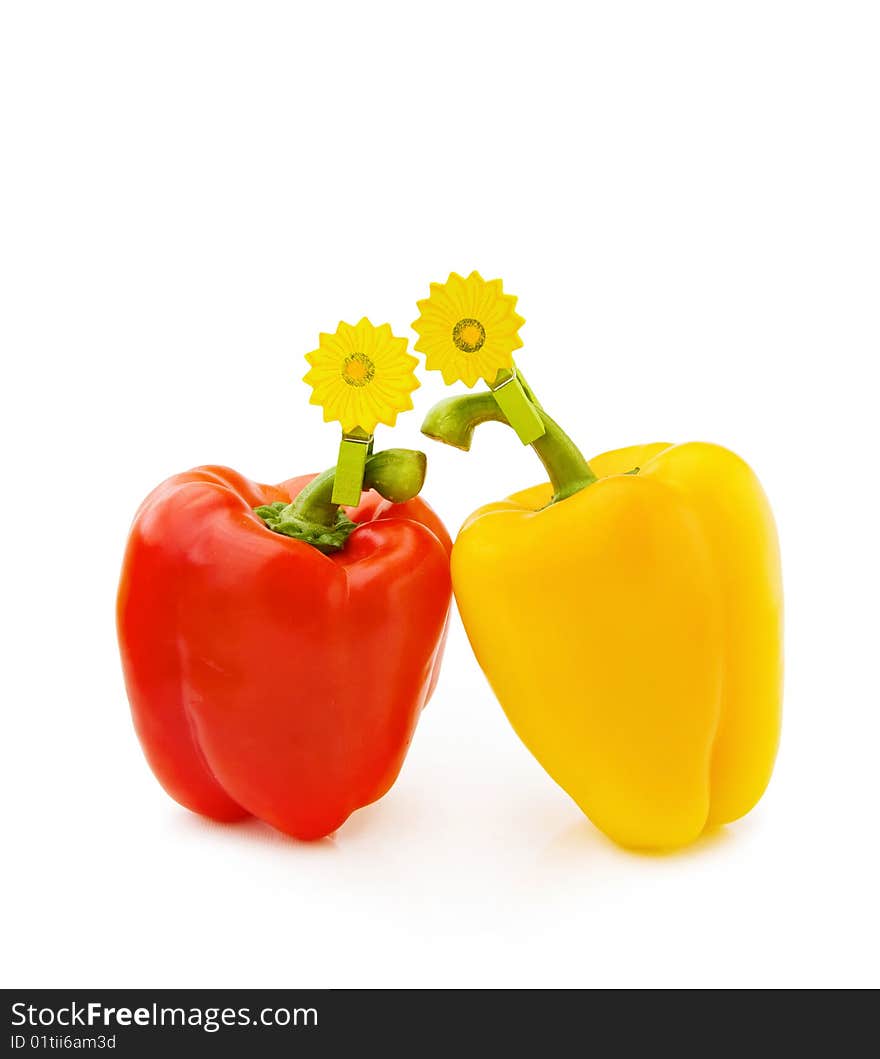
x,y
396,474
454,420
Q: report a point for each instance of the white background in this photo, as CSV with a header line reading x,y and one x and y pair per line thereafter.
x,y
685,198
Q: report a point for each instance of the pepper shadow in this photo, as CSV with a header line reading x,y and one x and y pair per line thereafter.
x,y
251,832
583,837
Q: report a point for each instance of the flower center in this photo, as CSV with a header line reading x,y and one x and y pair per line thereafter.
x,y
469,335
358,370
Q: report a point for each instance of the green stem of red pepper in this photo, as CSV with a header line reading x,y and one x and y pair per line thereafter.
x,y
454,420
396,474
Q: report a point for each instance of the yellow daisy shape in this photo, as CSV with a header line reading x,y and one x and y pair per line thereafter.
x,y
361,376
468,329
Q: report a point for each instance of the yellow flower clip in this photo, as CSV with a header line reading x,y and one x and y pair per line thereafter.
x,y
468,329
361,376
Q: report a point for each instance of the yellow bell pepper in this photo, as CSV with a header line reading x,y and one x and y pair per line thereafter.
x,y
628,616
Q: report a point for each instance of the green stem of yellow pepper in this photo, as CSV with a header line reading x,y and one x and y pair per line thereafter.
x,y
454,420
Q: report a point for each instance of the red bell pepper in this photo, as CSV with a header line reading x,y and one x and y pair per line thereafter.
x,y
281,673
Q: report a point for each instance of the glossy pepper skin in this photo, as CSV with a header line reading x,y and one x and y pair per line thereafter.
x,y
265,677
632,632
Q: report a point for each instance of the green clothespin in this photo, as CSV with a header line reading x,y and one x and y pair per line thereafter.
x,y
519,410
353,451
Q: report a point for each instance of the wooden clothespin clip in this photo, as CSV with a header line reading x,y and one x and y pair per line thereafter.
x,y
354,449
519,410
